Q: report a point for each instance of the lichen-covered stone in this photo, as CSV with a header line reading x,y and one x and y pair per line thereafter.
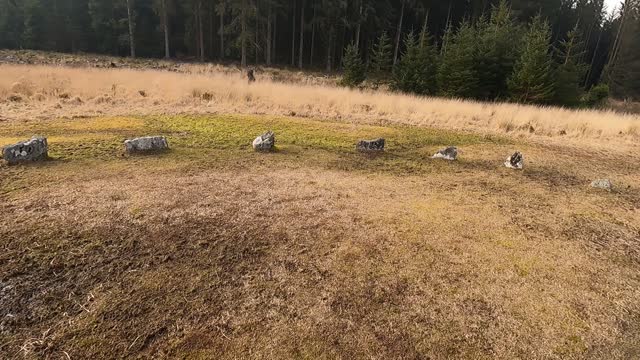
x,y
450,153
146,144
515,161
31,150
604,184
370,145
265,142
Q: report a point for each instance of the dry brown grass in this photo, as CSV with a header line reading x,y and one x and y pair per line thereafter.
x,y
214,251
48,92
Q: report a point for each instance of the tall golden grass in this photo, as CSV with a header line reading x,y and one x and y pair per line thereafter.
x,y
49,91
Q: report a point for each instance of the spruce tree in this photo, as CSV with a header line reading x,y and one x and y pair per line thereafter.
x,y
532,81
403,71
498,46
354,69
416,70
427,67
457,76
381,56
570,71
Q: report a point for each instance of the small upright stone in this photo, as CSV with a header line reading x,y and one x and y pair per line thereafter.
x,y
31,150
450,153
515,161
265,142
370,145
604,184
146,144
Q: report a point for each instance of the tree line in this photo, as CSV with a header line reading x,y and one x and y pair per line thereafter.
x,y
539,51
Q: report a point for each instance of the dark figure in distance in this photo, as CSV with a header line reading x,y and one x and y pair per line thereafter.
x,y
250,76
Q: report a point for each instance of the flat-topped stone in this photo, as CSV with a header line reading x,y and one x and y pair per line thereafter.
x,y
450,153
370,145
265,142
604,184
515,161
146,144
26,151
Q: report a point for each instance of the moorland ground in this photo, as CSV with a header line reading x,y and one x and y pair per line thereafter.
x,y
211,250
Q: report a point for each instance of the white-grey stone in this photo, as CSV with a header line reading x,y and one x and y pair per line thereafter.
x,y
26,151
450,153
604,184
371,145
146,144
515,161
265,142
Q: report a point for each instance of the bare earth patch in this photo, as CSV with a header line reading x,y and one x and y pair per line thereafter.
x,y
314,251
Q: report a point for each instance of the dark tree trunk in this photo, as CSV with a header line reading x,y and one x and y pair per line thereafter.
x,y
200,31
165,27
243,25
301,51
338,61
256,31
222,32
329,52
398,35
274,41
212,32
293,35
132,40
269,36
593,60
313,34
359,26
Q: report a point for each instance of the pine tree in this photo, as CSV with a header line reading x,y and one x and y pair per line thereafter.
x,y
381,57
354,69
427,66
416,70
570,71
457,76
531,81
498,45
403,71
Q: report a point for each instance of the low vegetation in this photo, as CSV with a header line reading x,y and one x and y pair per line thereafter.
x,y
32,92
314,251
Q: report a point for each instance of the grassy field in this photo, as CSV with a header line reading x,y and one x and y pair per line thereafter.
x,y
29,92
315,251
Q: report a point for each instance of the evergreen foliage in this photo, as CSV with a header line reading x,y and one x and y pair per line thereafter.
x,y
498,47
570,72
381,55
457,74
353,67
532,81
596,95
475,51
416,70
